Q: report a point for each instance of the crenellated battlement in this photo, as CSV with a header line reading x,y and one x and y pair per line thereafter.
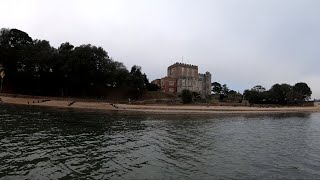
x,y
179,64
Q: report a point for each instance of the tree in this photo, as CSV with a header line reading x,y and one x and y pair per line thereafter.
x,y
34,67
225,90
186,96
35,70
89,67
62,68
13,48
281,94
224,93
286,93
234,96
216,88
253,96
136,81
119,73
150,86
258,88
302,91
65,48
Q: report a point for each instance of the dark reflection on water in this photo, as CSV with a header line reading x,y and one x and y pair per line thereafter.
x,y
39,143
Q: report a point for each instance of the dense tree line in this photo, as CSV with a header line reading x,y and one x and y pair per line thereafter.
x,y
279,94
33,66
223,93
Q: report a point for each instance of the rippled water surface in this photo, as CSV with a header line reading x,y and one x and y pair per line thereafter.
x,y
39,143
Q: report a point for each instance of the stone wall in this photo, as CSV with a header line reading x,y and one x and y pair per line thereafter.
x,y
169,85
200,83
189,83
205,80
178,70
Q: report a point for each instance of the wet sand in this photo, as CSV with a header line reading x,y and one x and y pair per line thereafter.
x,y
154,108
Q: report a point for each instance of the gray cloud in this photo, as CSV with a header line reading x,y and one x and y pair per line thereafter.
x,y
242,43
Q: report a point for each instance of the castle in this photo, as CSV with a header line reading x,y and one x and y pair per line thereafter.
x,y
182,76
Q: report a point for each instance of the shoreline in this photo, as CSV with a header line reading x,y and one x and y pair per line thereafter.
x,y
151,109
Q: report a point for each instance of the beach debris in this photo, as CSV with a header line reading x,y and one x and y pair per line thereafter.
x,y
71,103
113,105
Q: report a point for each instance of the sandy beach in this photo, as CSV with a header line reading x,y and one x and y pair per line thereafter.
x,y
153,108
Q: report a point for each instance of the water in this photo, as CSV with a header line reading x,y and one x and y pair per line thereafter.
x,y
40,143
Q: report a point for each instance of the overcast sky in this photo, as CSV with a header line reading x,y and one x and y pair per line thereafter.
x,y
241,42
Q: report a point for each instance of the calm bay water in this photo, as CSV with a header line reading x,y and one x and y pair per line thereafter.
x,y
40,143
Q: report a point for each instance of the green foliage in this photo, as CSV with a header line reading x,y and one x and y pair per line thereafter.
x,y
279,94
225,90
152,87
216,88
14,48
186,96
259,88
35,67
234,96
302,91
136,80
254,96
224,93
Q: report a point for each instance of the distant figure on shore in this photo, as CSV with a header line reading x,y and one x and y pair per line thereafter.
x,y
129,100
113,105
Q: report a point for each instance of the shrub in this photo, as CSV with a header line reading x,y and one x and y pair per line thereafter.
x,y
186,96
